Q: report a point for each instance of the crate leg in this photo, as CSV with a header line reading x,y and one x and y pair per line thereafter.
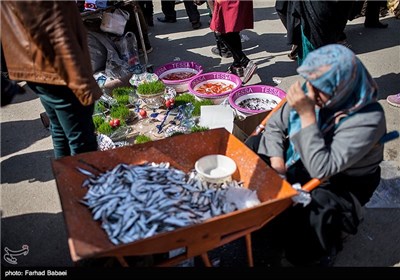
x,y
122,261
206,260
249,250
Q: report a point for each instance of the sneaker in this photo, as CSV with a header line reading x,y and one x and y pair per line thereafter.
x,y
225,54
293,52
196,25
238,71
394,100
249,71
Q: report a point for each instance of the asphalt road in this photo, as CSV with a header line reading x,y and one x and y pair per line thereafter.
x,y
31,211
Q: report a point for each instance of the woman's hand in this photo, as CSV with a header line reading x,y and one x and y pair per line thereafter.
x,y
303,104
278,164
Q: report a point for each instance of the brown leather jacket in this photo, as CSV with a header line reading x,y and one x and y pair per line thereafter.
x,y
45,42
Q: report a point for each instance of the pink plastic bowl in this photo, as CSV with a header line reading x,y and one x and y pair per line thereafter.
x,y
176,67
214,77
271,96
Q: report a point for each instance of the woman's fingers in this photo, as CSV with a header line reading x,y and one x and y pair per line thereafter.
x,y
310,90
295,93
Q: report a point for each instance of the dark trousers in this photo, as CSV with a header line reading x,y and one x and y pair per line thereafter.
x,y
147,8
168,9
233,42
372,11
71,123
307,234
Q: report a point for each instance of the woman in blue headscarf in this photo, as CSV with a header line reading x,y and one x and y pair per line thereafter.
x,y
330,128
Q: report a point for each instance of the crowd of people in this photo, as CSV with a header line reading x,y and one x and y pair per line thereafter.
x,y
330,127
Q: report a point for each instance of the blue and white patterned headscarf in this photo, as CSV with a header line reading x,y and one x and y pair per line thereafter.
x,y
336,71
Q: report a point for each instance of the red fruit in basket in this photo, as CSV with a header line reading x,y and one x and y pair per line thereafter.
x,y
115,122
142,113
170,103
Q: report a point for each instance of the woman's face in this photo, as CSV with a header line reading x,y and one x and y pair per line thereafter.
x,y
320,98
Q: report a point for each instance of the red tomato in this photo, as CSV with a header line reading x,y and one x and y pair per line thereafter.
x,y
170,103
143,113
115,122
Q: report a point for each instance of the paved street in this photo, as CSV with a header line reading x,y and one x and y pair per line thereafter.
x,y
31,210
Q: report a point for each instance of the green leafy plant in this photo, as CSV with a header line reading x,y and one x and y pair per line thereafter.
x,y
105,128
199,128
122,99
151,88
140,139
197,104
119,112
121,95
184,98
121,91
98,120
189,98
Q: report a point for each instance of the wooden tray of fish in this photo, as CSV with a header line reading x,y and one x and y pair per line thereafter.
x,y
87,238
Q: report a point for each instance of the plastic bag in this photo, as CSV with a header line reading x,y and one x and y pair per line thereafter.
x,y
114,22
242,198
128,49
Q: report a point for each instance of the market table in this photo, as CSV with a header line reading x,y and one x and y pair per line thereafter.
x,y
87,239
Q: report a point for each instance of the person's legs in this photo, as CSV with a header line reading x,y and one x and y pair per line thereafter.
x,y
71,123
148,10
168,9
220,49
193,14
234,44
372,15
241,63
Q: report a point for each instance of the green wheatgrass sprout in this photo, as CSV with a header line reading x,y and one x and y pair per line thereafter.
x,y
120,91
98,120
199,128
140,139
122,99
119,112
151,88
105,128
189,98
184,98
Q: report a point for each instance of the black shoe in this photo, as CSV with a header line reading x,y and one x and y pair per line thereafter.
x,y
222,53
238,71
249,71
196,25
376,25
166,20
293,52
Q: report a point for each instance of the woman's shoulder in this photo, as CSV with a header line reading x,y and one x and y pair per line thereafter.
x,y
371,114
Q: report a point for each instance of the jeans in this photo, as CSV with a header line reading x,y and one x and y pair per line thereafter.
x,y
71,123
